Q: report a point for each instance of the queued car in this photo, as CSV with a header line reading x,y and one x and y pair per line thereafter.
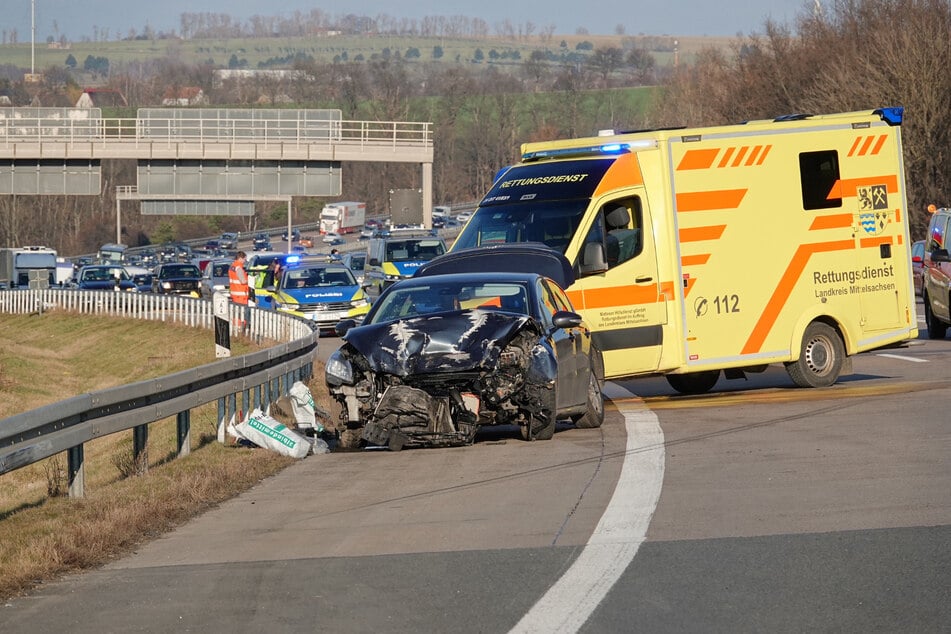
x,y
143,282
261,242
103,277
176,278
356,261
464,344
215,277
917,265
331,237
321,292
228,240
295,235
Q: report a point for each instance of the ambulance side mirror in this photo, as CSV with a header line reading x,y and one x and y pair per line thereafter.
x,y
592,259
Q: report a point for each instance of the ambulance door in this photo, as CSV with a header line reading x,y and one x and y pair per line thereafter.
x,y
618,291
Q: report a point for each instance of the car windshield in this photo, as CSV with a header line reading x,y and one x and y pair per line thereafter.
x,y
415,300
413,249
220,269
317,277
97,275
184,270
552,222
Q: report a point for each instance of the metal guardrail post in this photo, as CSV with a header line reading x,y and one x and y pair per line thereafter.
x,y
222,421
140,448
184,432
76,471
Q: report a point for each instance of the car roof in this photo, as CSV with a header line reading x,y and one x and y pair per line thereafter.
x,y
455,278
520,257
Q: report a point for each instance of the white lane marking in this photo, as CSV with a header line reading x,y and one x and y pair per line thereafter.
x,y
901,357
620,532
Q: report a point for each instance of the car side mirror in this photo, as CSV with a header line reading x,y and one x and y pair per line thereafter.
x,y
917,259
940,255
374,262
566,319
344,326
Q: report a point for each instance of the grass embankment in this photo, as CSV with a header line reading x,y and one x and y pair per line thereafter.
x,y
44,359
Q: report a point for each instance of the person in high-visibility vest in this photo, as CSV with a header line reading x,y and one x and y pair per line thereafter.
x,y
240,290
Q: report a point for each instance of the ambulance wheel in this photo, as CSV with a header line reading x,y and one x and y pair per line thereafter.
x,y
695,382
936,328
820,357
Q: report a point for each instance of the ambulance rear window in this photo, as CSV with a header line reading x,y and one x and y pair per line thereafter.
x,y
819,172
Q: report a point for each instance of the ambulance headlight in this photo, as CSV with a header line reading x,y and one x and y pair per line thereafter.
x,y
338,370
359,303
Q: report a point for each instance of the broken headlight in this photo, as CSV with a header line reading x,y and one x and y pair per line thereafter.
x,y
338,370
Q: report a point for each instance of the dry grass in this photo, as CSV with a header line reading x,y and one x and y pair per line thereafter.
x,y
48,358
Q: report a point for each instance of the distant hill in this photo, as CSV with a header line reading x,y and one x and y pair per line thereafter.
x,y
282,52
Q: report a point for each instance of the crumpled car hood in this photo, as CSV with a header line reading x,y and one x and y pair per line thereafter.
x,y
444,343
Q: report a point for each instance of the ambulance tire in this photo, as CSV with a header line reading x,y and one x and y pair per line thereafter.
x,y
936,328
694,383
821,356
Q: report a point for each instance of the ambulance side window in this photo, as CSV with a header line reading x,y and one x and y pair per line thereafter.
x,y
616,233
622,222
818,172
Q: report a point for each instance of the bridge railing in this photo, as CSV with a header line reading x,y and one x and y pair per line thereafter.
x,y
258,131
258,378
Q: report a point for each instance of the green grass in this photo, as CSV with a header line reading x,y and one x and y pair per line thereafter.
x,y
47,358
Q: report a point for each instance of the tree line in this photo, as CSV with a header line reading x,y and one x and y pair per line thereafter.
x,y
861,55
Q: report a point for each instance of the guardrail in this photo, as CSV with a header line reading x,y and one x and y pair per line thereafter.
x,y
259,378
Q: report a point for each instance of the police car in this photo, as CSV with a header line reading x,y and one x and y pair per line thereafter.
x,y
321,292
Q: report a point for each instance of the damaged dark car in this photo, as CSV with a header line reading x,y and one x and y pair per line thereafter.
x,y
460,346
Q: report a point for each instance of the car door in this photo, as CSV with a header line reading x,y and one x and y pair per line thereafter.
x,y
564,342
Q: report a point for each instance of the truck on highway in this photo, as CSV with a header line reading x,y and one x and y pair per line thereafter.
x,y
702,252
27,267
344,217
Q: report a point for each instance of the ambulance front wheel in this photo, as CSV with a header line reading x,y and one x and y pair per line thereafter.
x,y
695,382
820,357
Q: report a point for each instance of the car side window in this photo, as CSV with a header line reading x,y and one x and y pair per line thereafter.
x,y
561,300
546,301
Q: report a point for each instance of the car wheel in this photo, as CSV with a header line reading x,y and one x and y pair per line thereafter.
x,y
594,415
820,357
936,328
695,382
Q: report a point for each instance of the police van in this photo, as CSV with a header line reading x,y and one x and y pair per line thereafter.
x,y
397,255
712,251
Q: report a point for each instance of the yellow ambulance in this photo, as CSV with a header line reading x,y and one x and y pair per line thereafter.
x,y
702,251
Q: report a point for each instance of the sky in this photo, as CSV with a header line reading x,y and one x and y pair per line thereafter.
x,y
76,18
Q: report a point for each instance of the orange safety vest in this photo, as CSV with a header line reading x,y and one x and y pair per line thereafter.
x,y
238,283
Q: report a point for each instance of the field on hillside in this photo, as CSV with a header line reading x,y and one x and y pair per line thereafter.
x,y
280,52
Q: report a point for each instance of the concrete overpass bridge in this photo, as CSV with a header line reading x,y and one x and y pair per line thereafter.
x,y
202,154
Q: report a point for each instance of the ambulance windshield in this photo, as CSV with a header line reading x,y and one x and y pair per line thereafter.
x,y
552,222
